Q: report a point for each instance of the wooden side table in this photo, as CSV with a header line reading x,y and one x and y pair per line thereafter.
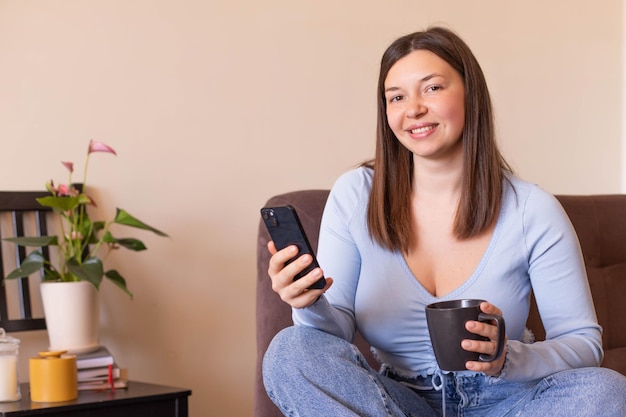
x,y
139,399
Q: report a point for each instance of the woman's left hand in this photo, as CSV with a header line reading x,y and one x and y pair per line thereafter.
x,y
487,347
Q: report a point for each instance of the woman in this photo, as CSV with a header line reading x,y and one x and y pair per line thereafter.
x,y
438,215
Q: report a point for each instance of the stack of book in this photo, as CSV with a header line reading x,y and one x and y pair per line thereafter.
x,y
97,370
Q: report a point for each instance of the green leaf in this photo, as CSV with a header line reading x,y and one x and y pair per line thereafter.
x,y
83,199
60,203
118,280
122,217
85,228
31,264
131,243
108,238
90,270
51,275
98,225
127,242
33,241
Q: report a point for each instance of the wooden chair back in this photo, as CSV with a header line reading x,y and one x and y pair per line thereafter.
x,y
21,215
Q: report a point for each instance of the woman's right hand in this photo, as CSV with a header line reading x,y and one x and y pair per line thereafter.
x,y
294,293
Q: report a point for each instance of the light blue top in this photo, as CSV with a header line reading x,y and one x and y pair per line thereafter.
x,y
533,245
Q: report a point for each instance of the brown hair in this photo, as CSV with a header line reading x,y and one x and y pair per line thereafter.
x,y
389,210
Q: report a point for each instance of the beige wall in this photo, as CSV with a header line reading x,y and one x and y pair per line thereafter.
x,y
623,96
215,105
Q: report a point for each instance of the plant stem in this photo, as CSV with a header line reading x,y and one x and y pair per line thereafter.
x,y
99,242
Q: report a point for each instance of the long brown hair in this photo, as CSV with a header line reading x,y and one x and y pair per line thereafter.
x,y
389,210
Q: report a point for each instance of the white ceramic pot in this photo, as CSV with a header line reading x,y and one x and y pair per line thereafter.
x,y
72,315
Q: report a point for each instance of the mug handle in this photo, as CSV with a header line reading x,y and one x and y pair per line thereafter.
x,y
501,333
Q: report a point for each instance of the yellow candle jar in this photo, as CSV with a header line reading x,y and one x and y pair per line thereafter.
x,y
53,377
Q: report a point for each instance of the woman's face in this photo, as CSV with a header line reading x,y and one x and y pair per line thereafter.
x,y
425,105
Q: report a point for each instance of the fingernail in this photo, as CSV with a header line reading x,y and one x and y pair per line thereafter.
x,y
466,344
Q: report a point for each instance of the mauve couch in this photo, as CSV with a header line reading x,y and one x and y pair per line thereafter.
x,y
599,220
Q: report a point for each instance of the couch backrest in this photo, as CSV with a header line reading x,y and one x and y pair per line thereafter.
x,y
272,314
600,222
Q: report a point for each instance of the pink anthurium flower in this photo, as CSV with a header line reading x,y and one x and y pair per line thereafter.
x,y
63,190
68,165
95,146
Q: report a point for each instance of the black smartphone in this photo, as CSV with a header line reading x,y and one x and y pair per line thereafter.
x,y
285,229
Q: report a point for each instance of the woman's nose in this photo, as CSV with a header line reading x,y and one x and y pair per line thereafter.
x,y
416,108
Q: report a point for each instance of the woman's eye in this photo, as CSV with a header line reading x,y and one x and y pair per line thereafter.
x,y
393,99
433,88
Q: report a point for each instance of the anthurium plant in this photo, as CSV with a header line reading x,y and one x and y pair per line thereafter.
x,y
80,240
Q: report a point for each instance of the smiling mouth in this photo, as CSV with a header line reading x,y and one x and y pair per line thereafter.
x,y
422,129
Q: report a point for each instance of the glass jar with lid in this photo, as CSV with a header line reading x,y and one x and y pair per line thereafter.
x,y
9,385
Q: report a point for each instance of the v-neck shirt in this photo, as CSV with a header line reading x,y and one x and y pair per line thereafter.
x,y
533,246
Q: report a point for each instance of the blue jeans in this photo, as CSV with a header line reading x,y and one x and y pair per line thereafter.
x,y
308,372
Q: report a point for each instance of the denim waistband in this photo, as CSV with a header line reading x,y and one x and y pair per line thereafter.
x,y
437,382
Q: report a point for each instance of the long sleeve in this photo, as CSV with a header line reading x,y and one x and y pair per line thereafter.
x,y
559,281
340,258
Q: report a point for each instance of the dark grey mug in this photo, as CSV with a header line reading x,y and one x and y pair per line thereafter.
x,y
446,325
